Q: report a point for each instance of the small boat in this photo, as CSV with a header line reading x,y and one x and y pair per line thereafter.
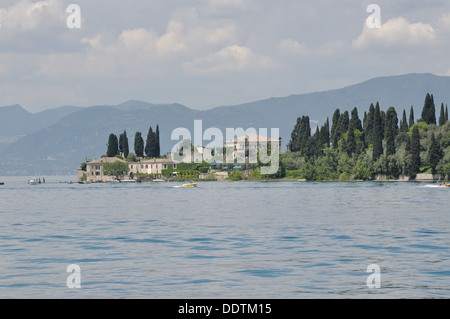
x,y
444,185
128,181
1,183
159,180
191,184
34,181
113,181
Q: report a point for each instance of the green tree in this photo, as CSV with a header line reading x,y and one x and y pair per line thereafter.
x,y
123,144
404,123
355,121
117,169
157,143
351,140
334,125
414,152
377,134
391,130
442,119
446,113
411,117
139,144
429,110
368,126
435,154
150,147
113,146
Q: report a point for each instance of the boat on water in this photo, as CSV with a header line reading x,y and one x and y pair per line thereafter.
x,y
2,183
34,181
117,181
128,181
444,185
191,184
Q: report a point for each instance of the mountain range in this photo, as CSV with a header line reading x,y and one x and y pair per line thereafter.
x,y
57,141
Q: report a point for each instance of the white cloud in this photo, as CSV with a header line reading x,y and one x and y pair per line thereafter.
x,y
232,58
26,15
396,33
290,46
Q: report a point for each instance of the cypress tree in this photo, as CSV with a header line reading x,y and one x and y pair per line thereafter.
x,y
442,116
324,135
343,124
391,130
334,124
351,141
304,134
377,134
157,143
138,144
355,121
150,147
435,153
411,117
294,136
126,149
113,146
404,123
415,152
429,110
369,125
446,113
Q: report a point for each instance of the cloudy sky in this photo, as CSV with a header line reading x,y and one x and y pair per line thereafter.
x,y
207,53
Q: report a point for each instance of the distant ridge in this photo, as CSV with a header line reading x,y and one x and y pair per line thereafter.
x,y
66,139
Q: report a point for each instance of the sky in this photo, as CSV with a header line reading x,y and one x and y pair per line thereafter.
x,y
209,53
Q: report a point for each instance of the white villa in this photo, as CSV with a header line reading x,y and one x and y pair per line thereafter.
x,y
94,169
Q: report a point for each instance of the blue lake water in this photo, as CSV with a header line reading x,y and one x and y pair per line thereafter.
x,y
275,240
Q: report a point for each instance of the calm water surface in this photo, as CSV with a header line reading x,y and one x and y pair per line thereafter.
x,y
224,240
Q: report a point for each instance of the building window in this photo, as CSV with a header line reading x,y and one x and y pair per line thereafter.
x,y
174,166
164,166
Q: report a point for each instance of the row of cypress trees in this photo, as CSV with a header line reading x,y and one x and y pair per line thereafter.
x,y
151,147
378,131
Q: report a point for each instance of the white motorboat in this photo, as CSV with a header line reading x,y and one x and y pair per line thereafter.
x,y
34,181
128,181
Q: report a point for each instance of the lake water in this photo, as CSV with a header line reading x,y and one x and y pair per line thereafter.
x,y
273,240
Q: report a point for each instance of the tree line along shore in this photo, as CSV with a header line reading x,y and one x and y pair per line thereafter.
x,y
345,148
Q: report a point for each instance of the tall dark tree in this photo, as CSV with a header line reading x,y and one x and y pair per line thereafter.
x,y
126,148
411,117
113,146
324,135
415,152
429,110
355,121
368,127
123,144
351,140
294,136
404,123
157,142
446,113
435,153
442,119
342,125
377,134
304,134
334,125
391,130
150,145
139,144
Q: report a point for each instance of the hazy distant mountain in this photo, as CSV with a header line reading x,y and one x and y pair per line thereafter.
x,y
61,146
16,122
